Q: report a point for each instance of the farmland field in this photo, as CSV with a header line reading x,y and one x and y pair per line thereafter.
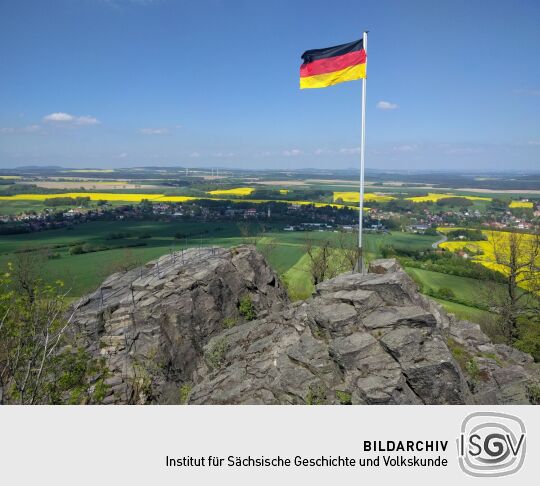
x,y
521,204
465,312
237,191
484,250
470,292
94,196
154,197
106,244
18,206
297,279
354,196
464,288
434,197
83,272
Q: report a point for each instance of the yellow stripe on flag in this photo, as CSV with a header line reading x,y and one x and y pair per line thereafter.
x,y
323,80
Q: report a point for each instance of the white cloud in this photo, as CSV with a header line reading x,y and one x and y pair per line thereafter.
x,y
123,155
292,152
65,118
349,151
27,129
154,131
87,120
223,155
404,148
194,155
386,105
534,142
31,129
58,117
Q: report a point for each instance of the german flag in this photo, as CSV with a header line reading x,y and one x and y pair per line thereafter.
x,y
333,65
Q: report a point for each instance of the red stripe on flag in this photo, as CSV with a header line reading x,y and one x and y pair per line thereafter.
x,y
331,64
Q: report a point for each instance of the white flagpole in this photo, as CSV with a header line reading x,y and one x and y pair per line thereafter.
x,y
362,159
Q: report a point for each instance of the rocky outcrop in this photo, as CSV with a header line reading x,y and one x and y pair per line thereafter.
x,y
179,331
151,324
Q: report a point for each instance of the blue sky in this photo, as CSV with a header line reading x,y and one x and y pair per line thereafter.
x,y
112,83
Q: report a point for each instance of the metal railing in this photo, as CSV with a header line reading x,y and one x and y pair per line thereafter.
x,y
157,271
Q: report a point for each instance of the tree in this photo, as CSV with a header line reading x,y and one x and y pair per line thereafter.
x,y
127,261
42,360
320,265
25,272
266,244
517,257
247,233
350,252
146,207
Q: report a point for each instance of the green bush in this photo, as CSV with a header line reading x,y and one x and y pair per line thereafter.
x,y
247,309
446,293
473,370
67,201
76,250
529,338
459,353
343,397
184,392
229,322
533,391
316,395
466,234
215,356
118,236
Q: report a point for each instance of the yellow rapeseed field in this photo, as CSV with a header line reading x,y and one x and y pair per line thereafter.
x,y
485,247
138,197
237,191
353,196
10,177
175,199
434,197
521,204
94,196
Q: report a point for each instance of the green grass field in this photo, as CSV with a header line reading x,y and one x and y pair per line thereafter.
x,y
465,289
465,312
297,279
19,206
83,272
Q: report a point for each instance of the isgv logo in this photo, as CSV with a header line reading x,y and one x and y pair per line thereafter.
x,y
491,444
